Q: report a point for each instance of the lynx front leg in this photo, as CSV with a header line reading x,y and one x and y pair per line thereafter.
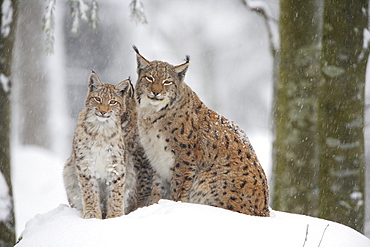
x,y
159,190
90,197
115,207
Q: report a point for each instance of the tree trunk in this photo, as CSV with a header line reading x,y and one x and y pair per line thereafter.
x,y
8,24
341,112
29,72
295,158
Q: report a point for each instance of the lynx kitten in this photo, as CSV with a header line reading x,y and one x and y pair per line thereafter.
x,y
96,174
199,155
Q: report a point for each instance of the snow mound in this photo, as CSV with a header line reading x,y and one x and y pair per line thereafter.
x,y
171,223
37,182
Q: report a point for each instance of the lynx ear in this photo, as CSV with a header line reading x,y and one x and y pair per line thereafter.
x,y
182,68
125,87
142,63
94,81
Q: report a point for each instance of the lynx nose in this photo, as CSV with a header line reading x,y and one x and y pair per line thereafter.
x,y
156,90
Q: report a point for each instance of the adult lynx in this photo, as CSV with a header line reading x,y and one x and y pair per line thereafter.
x,y
96,174
199,155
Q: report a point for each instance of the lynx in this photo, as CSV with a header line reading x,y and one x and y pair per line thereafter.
x,y
97,176
199,156
148,189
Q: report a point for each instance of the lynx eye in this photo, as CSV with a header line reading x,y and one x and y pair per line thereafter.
x,y
167,82
97,99
149,78
113,102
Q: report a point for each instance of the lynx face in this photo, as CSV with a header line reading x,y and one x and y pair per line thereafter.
x,y
105,102
158,83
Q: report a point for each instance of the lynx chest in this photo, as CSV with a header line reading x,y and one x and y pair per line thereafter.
x,y
155,143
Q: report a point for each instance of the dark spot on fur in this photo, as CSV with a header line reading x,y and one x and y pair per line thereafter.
x,y
161,116
242,184
182,129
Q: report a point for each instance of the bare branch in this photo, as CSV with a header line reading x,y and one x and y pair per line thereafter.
x,y
262,9
305,240
49,26
323,235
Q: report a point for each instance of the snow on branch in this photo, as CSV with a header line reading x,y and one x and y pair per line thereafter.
x,y
49,25
262,8
80,10
137,12
94,14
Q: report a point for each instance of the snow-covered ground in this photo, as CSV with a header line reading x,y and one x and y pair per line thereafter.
x,y
171,223
41,202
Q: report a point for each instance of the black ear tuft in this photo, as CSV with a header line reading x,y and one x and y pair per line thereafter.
x,y
142,63
187,58
94,82
135,49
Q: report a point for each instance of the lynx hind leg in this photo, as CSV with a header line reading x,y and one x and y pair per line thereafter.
x,y
130,190
227,190
72,187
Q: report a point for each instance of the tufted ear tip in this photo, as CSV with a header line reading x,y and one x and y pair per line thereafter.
x,y
187,58
181,69
94,82
142,63
136,49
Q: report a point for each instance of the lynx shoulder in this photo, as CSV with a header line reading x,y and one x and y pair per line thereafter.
x,y
199,155
95,175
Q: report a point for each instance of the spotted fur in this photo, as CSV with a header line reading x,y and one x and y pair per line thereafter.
x,y
149,189
199,155
98,180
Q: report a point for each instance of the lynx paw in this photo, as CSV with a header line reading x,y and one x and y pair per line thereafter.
x,y
114,215
92,214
